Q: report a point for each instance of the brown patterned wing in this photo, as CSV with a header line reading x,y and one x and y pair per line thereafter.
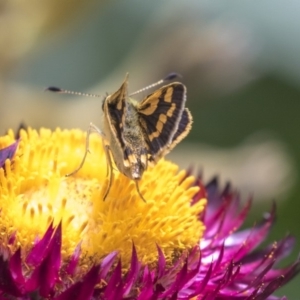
x,y
114,107
160,114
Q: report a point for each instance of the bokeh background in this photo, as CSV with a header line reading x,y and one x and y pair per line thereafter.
x,y
239,61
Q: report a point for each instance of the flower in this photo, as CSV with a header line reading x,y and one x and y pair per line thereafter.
x,y
60,240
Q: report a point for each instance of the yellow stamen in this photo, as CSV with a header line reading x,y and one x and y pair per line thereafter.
x,y
35,191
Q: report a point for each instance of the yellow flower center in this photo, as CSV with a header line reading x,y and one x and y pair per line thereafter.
x,y
35,191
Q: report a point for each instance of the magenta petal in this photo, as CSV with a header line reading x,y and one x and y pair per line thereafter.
x,y
15,266
70,269
106,264
282,278
254,263
146,285
54,262
202,283
200,194
132,275
114,288
12,238
182,278
283,249
46,274
8,152
178,283
226,218
40,249
7,282
161,265
84,289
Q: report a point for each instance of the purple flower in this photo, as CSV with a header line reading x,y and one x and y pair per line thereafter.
x,y
60,241
8,152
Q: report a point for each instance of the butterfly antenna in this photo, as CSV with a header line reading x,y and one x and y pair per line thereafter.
x,y
62,91
170,76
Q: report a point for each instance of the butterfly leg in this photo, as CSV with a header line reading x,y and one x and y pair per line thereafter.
x,y
109,169
92,128
138,190
109,172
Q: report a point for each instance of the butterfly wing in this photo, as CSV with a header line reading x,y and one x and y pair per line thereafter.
x,y
159,116
184,127
114,107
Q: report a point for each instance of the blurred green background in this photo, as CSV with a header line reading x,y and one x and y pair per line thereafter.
x,y
239,61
